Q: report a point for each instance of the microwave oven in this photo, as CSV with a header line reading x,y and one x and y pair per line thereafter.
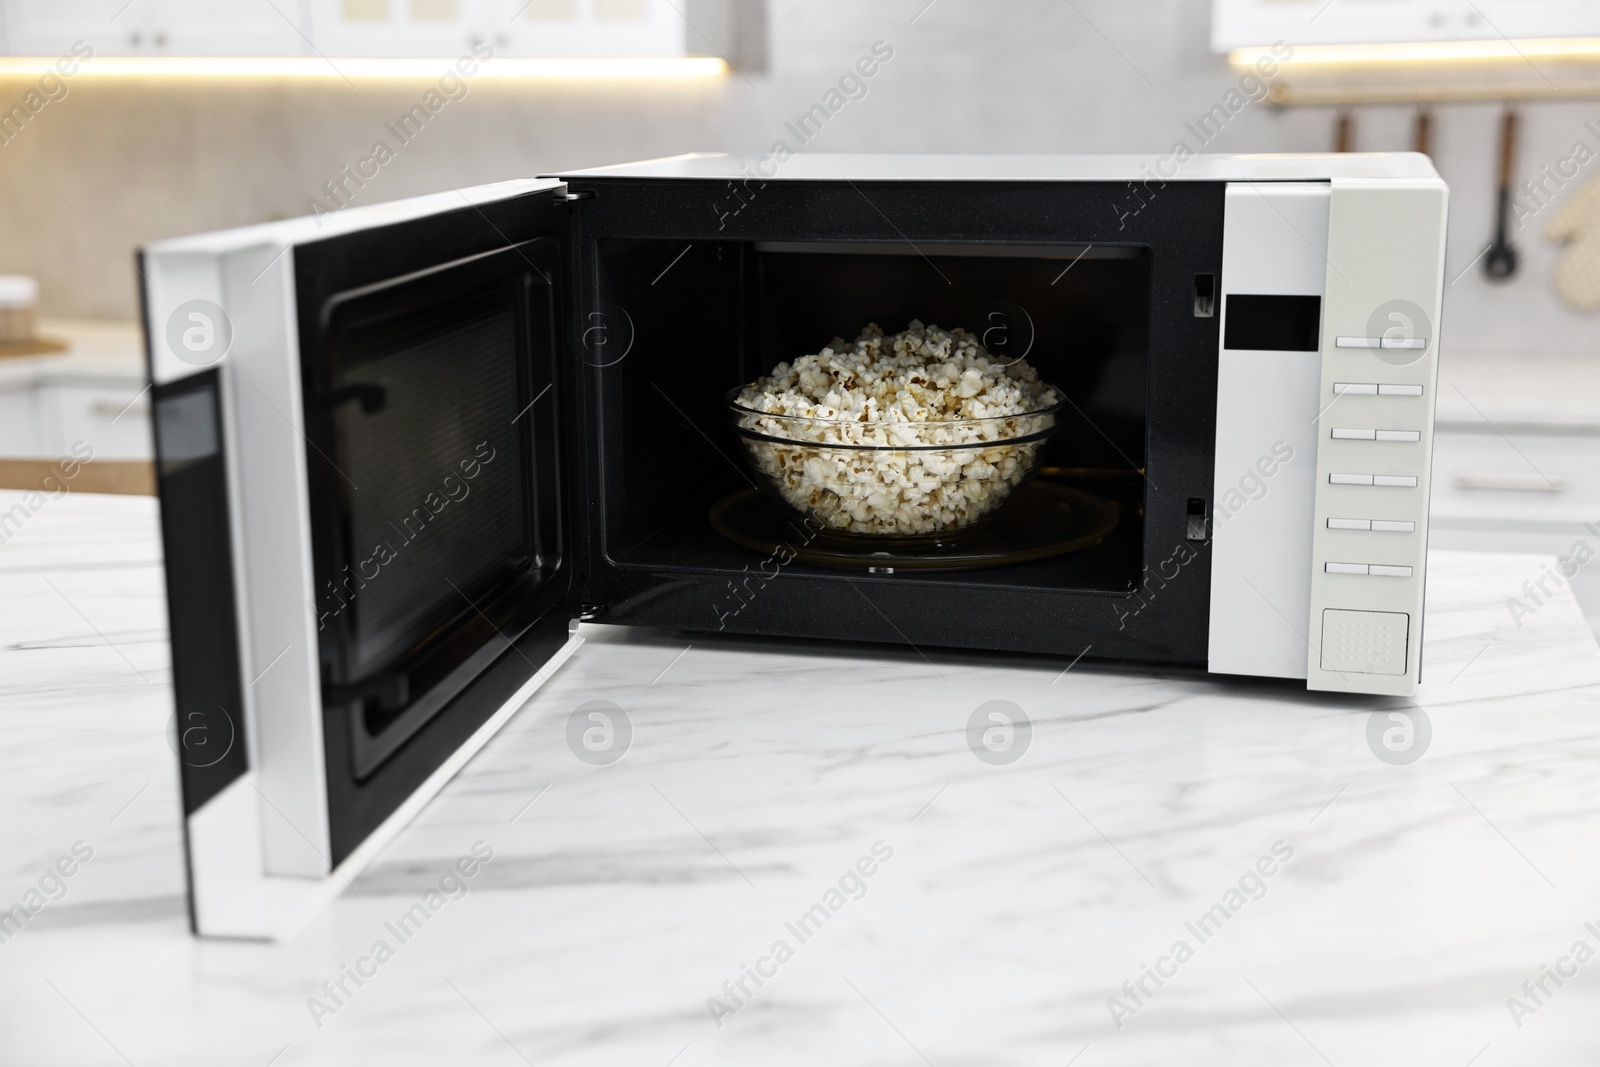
x,y
403,449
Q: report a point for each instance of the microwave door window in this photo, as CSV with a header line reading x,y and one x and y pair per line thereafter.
x,y
436,505
443,504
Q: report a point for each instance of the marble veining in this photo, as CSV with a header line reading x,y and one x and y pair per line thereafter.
x,y
1016,903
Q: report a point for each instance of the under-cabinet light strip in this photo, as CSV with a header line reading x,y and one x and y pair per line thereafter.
x,y
618,68
1429,51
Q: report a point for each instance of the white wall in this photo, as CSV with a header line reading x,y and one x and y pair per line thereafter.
x,y
141,160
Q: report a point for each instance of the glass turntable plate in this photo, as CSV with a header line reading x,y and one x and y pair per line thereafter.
x,y
1043,520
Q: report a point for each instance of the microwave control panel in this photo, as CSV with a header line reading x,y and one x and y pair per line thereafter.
x,y
1379,356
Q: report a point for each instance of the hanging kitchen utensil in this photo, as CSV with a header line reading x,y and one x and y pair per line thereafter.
x,y
1501,261
1422,132
1344,132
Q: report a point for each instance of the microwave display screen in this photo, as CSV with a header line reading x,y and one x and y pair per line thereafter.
x,y
1273,323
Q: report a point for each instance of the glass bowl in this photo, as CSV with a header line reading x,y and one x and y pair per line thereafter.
x,y
912,482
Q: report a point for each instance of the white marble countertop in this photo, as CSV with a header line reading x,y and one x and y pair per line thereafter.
x,y
1415,899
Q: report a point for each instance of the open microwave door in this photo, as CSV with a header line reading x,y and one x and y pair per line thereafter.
x,y
361,450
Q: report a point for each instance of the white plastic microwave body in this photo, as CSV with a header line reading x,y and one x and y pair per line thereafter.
x,y
1315,284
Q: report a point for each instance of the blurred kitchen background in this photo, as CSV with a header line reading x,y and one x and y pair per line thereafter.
x,y
198,114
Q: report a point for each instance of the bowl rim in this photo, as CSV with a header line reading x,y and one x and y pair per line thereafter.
x,y
737,409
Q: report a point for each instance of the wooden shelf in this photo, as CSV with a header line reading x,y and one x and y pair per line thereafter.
x,y
1281,95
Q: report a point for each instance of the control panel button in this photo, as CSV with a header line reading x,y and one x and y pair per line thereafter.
x,y
1379,570
1345,568
1355,388
1350,479
1411,436
1349,524
1346,433
1393,526
1405,344
1364,642
1396,481
1399,390
1357,342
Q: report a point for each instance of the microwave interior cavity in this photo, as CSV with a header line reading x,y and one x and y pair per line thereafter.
x,y
703,317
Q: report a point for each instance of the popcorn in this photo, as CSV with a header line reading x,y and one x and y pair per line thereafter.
x,y
886,396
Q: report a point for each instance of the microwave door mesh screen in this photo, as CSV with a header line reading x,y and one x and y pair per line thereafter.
x,y
442,496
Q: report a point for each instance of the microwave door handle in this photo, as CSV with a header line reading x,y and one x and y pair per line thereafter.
x,y
374,397
390,690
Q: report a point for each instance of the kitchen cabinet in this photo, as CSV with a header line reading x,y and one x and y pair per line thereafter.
x,y
1516,463
20,423
1253,23
155,27
48,417
448,28
108,415
230,27
50,27
1521,476
443,29
609,27
94,393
